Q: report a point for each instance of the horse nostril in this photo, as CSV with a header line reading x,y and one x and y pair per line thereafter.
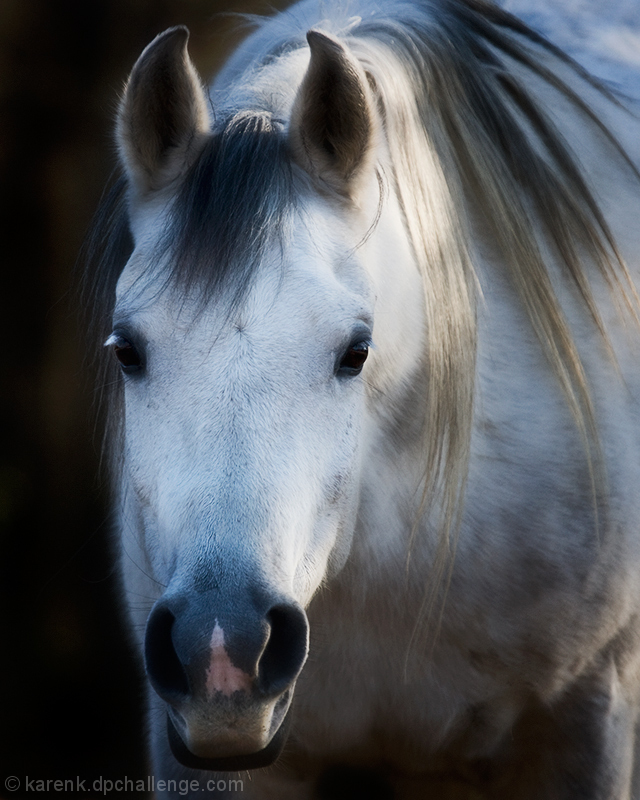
x,y
230,660
286,649
163,666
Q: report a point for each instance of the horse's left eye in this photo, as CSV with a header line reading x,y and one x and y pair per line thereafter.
x,y
125,352
353,360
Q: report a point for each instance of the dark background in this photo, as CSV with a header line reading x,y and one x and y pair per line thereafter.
x,y
70,692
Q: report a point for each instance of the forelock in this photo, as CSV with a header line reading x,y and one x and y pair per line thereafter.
x,y
233,204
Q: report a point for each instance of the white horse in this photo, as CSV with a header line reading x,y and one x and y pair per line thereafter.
x,y
376,436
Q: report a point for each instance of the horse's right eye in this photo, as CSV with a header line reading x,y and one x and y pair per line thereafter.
x,y
125,352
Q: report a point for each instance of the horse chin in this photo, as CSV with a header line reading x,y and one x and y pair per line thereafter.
x,y
233,746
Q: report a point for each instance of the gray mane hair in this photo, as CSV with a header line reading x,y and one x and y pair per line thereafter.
x,y
232,205
449,83
460,124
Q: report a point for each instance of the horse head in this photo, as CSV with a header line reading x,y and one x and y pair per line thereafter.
x,y
242,324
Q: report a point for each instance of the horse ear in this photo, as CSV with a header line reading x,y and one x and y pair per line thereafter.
x,y
163,116
332,121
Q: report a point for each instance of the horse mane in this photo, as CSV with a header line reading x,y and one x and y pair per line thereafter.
x,y
106,249
463,112
460,123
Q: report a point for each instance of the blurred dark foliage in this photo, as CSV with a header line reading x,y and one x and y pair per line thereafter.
x,y
70,692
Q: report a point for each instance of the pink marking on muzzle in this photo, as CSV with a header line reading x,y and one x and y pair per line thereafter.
x,y
222,676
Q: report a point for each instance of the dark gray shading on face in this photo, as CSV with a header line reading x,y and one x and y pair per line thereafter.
x,y
233,203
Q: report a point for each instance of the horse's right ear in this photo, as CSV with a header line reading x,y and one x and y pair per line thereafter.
x,y
163,117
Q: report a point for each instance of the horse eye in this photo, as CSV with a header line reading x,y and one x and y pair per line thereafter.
x,y
125,352
353,360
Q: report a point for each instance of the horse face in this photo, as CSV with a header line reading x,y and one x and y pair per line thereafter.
x,y
242,454
251,419
244,420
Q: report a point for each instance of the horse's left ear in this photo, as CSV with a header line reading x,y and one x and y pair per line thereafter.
x,y
163,116
333,118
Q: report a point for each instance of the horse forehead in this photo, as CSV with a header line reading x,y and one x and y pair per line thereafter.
x,y
315,280
298,304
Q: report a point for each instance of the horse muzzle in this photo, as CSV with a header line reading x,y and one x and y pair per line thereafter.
x,y
230,749
227,677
